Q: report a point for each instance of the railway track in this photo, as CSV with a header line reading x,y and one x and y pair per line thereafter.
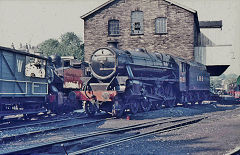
x,y
30,133
40,123
177,123
169,128
12,123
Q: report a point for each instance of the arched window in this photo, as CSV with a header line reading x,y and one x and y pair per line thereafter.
x,y
113,27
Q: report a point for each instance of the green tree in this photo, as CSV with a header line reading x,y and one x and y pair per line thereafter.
x,y
217,82
49,47
69,45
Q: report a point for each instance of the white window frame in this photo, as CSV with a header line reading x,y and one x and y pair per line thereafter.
x,y
161,25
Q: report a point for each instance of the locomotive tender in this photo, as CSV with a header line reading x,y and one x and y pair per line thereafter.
x,y
139,80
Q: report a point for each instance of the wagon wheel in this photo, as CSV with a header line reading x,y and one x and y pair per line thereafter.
x,y
29,116
118,107
89,108
145,104
134,106
160,91
170,94
198,98
158,104
185,105
25,117
73,105
184,100
206,96
191,98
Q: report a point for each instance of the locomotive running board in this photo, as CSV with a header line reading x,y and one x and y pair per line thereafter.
x,y
154,79
154,97
160,98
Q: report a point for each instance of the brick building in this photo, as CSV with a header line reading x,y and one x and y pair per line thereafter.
x,y
156,25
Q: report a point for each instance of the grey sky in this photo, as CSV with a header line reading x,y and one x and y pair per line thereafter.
x,y
33,21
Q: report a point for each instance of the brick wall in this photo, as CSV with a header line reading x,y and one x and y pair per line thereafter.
x,y
179,41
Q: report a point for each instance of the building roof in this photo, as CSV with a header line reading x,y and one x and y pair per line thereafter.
x,y
216,70
96,9
181,6
210,24
111,1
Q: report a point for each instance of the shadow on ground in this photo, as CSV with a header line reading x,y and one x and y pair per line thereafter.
x,y
184,112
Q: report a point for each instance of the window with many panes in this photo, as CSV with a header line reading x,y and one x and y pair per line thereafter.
x,y
161,25
137,22
113,27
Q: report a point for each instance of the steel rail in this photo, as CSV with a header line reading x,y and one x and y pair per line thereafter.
x,y
48,130
41,123
62,127
93,134
4,123
161,130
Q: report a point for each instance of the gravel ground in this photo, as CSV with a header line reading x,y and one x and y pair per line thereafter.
x,y
55,135
19,131
217,134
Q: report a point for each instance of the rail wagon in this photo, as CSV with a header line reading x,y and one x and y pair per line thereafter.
x,y
23,83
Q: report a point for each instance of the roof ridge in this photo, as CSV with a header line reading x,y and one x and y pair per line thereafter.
x,y
110,1
99,7
182,6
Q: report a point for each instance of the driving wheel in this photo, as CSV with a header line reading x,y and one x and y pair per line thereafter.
x,y
145,104
118,107
89,108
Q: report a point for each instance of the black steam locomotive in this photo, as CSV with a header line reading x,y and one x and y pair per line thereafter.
x,y
139,81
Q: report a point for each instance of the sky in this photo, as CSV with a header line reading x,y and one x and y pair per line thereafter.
x,y
33,21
